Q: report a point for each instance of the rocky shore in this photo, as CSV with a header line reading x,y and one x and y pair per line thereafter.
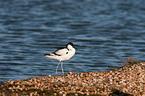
x,y
128,80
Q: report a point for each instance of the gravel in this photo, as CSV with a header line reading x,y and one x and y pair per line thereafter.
x,y
128,80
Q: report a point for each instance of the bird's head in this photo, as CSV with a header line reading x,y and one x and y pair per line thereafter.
x,y
69,45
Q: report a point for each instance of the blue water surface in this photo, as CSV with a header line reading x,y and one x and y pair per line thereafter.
x,y
104,33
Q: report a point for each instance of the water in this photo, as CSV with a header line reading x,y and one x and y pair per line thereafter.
x,y
104,32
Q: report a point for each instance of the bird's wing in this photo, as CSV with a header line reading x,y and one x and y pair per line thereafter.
x,y
61,52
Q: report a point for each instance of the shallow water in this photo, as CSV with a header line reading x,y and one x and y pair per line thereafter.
x,y
104,34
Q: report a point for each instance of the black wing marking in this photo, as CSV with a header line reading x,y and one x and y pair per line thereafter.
x,y
56,54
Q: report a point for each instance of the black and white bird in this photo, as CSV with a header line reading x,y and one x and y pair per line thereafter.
x,y
62,54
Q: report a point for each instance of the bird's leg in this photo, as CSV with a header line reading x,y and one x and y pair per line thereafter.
x,y
57,66
62,67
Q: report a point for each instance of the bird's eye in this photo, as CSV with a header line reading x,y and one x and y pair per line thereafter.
x,y
66,52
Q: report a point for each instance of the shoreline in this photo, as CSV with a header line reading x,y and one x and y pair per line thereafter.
x,y
128,80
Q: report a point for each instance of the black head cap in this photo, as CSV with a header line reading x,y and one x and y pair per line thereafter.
x,y
70,43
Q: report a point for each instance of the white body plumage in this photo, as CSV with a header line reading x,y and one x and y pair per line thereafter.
x,y
62,54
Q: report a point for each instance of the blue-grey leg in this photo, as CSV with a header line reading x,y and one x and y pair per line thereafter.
x,y
57,66
62,67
